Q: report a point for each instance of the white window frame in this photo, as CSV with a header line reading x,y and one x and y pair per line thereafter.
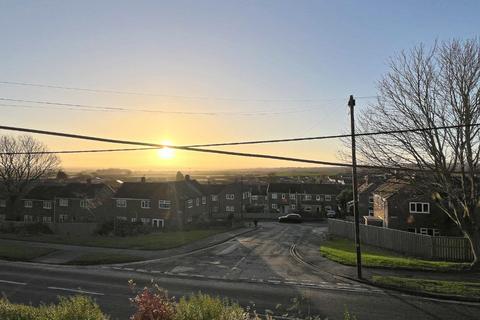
x,y
293,206
274,195
317,197
422,206
230,208
145,204
63,202
424,231
204,200
284,196
274,206
46,219
121,203
308,197
254,197
62,217
28,204
27,218
161,223
3,203
436,232
293,196
145,220
214,197
197,202
84,203
190,203
230,196
121,218
328,197
47,204
164,204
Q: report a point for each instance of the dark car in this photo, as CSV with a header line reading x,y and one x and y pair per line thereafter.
x,y
291,217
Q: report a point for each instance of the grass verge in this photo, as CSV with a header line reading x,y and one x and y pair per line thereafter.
x,y
102,258
23,252
152,241
343,251
466,289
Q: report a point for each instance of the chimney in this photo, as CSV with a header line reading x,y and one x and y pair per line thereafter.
x,y
187,177
89,181
143,179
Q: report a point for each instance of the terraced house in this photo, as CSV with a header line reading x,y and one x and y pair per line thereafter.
x,y
72,202
160,204
227,200
308,198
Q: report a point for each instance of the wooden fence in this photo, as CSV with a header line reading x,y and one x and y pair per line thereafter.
x,y
408,243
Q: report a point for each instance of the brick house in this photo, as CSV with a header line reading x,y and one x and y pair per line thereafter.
x,y
72,202
311,199
398,205
228,200
258,198
159,204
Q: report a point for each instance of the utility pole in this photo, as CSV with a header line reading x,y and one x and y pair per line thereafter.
x,y
351,104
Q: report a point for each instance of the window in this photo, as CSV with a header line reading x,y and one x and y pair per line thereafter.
x,y
190,203
293,206
229,196
164,204
230,208
145,204
274,196
28,204
413,230
293,196
328,197
308,197
197,202
84,203
145,220
284,196
28,218
63,202
133,220
46,219
317,197
47,205
121,203
214,197
274,206
63,217
121,218
423,231
204,200
3,203
419,207
436,233
254,197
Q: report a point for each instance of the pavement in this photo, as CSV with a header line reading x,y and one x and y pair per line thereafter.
x,y
265,267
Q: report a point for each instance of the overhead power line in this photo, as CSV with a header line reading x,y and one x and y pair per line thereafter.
x,y
113,91
196,149
84,107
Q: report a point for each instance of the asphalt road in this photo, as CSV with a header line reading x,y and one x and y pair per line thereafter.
x,y
258,268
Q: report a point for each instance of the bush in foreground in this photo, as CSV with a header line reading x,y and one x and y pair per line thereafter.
x,y
68,308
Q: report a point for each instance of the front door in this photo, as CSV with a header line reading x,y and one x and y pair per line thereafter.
x,y
157,223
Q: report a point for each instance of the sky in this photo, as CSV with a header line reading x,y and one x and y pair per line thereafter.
x,y
290,65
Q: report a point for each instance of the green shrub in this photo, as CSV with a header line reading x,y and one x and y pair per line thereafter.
x,y
204,307
69,308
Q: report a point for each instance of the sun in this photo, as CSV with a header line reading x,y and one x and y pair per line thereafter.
x,y
166,152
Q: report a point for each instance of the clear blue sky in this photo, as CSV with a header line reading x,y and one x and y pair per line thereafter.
x,y
243,49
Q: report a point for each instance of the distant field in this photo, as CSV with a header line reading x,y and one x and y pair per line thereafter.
x,y
153,241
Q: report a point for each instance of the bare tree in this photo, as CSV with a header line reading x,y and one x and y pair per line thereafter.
x,y
22,162
431,88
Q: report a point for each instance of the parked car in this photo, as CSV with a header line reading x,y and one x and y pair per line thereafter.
x,y
291,217
331,213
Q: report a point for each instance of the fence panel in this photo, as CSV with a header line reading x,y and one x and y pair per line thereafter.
x,y
414,244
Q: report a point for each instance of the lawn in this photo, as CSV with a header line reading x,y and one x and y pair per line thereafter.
x,y
22,252
467,289
343,251
152,241
103,258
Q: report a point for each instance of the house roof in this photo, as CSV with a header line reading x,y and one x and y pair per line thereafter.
x,y
308,188
149,190
43,192
391,187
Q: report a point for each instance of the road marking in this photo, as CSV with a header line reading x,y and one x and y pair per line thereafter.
x,y
13,282
76,291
